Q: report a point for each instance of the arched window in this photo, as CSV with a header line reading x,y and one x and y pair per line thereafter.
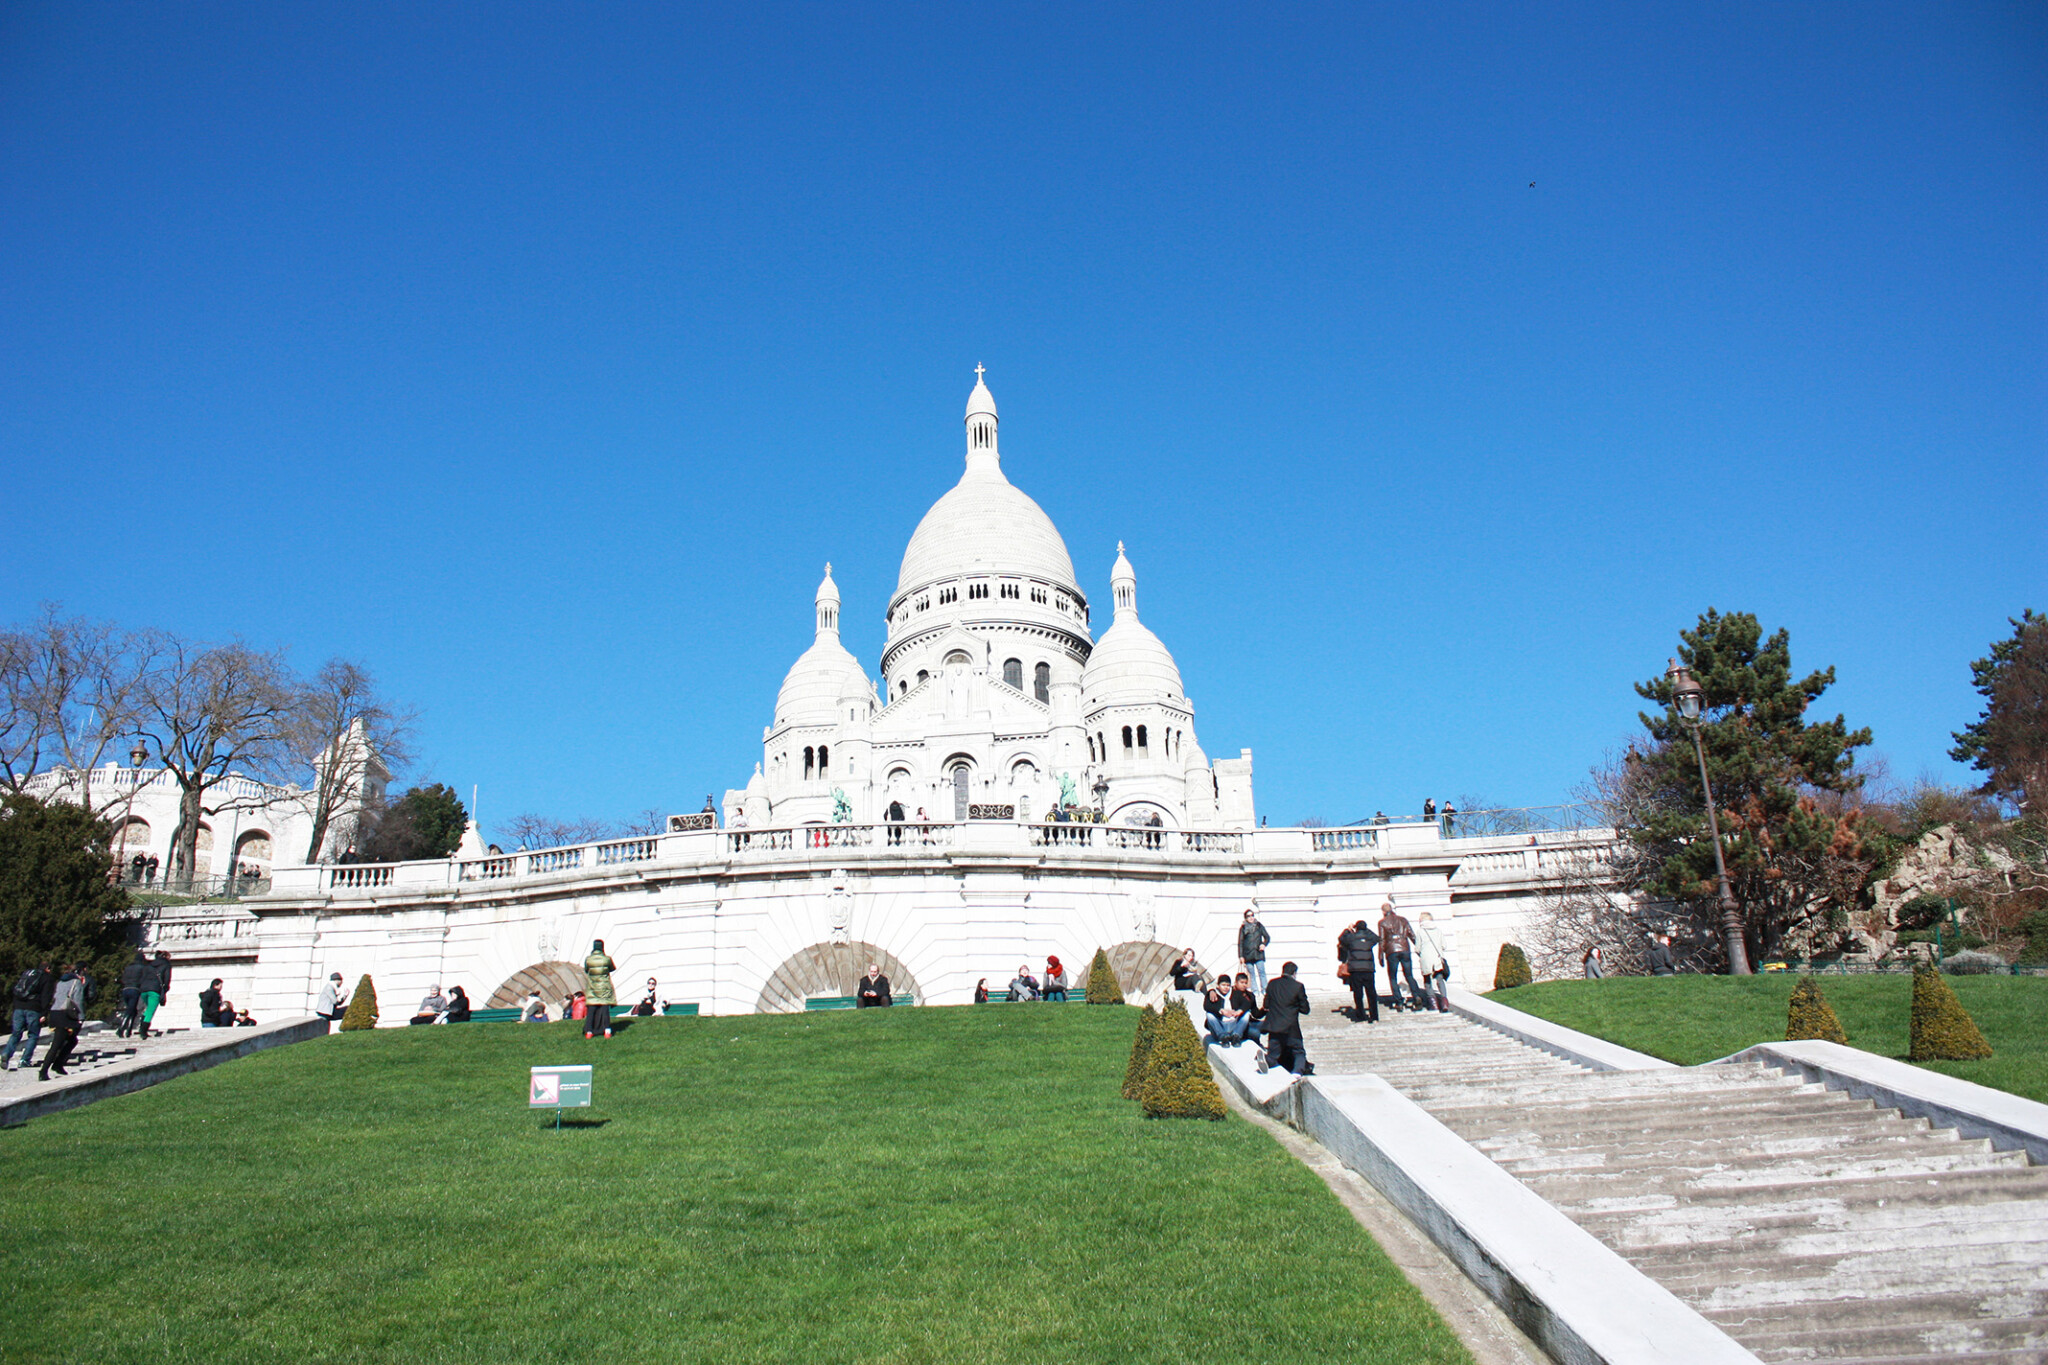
x,y
1102,745
921,677
808,751
1013,673
958,656
1127,739
960,791
1041,681
1141,739
1091,748
824,755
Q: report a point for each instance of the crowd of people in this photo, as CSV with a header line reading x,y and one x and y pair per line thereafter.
x,y
57,996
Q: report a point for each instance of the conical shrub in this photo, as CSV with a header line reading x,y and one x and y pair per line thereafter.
x,y
1810,1015
1141,1053
362,1006
1512,969
1102,985
1943,1030
1178,1082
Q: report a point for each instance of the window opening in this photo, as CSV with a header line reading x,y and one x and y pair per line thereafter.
x,y
1041,681
1013,673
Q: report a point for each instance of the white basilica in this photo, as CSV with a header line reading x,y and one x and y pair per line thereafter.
x,y
995,701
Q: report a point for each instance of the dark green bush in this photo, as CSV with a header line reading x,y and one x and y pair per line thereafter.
x,y
1512,969
1102,983
1141,1053
362,1007
1178,1082
1942,1029
1810,1015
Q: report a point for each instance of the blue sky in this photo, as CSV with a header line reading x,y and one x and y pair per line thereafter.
x,y
539,356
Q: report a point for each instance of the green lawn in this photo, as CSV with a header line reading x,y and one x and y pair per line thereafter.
x,y
904,1185
1693,1019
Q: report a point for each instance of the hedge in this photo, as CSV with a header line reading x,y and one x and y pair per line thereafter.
x,y
1102,984
1141,1053
1178,1082
1942,1029
362,1006
1512,969
1810,1015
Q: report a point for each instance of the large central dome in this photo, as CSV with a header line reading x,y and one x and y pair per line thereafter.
x,y
985,524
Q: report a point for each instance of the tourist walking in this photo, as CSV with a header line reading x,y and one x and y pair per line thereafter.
x,y
598,998
1354,967
1660,959
1433,962
1397,951
1592,964
873,990
31,1001
66,1012
1286,1002
132,977
1055,979
1252,939
156,988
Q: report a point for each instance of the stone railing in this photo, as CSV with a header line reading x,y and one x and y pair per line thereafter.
x,y
1520,854
175,934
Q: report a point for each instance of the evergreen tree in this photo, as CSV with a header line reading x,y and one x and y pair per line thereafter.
x,y
1810,1016
1942,1030
2009,742
1103,988
362,1007
1791,848
1141,1053
56,905
1511,968
1178,1082
426,822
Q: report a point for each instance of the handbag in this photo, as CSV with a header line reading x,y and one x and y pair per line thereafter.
x,y
1343,971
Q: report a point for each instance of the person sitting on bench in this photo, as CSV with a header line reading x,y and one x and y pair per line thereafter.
x,y
430,1008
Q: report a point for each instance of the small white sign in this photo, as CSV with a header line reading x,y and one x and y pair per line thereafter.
x,y
558,1087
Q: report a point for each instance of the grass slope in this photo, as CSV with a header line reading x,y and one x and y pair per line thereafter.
x,y
903,1185
1694,1019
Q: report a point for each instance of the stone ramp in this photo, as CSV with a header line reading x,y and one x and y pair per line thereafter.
x,y
1808,1225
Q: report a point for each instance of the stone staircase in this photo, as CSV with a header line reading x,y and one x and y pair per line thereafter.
x,y
1808,1225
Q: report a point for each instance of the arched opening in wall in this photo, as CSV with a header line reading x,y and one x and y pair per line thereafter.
x,y
556,982
1091,749
133,834
1041,682
1013,673
808,754
1141,741
1023,773
824,759
922,676
958,658
1141,813
1127,739
253,848
831,969
1140,966
960,778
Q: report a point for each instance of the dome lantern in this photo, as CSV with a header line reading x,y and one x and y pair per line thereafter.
x,y
981,423
828,604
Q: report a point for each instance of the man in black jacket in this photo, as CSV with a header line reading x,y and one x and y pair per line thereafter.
x,y
1286,1002
209,1006
155,987
1354,950
134,977
1662,961
32,992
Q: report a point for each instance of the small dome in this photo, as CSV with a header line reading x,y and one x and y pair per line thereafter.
x,y
821,675
980,403
1129,666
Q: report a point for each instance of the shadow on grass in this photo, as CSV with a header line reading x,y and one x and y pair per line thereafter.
x,y
550,1126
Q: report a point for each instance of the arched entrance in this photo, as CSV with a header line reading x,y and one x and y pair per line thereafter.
x,y
1140,966
556,982
831,969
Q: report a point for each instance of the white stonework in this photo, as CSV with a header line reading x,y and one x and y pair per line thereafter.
x,y
992,690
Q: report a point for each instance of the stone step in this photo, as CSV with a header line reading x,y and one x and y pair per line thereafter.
x,y
1902,1310
1567,1188
1891,1341
1708,1280
2026,1355
1697,1127
1850,1144
1762,1227
1996,1183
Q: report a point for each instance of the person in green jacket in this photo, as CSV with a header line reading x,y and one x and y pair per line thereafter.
x,y
597,992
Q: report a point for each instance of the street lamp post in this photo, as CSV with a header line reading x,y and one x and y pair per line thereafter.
x,y
1101,792
1687,694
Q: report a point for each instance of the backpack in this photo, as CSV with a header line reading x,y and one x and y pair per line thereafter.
x,y
29,985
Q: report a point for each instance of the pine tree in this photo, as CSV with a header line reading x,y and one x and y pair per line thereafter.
x,y
1512,968
1141,1053
1178,1082
1942,1029
1776,773
1810,1015
55,904
362,1006
2009,742
1102,983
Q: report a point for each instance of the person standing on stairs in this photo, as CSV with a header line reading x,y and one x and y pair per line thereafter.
x,y
1252,939
1397,941
1354,964
67,1011
1435,966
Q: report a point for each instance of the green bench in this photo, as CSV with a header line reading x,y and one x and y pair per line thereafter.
x,y
680,1011
847,1002
511,1016
1075,996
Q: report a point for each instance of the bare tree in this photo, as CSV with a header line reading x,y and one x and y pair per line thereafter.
x,y
70,693
213,712
539,831
352,740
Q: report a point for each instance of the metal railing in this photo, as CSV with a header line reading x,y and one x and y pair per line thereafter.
x,y
1480,824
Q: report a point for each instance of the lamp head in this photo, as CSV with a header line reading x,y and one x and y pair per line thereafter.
x,y
1686,693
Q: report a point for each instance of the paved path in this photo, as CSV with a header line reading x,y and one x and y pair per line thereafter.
x,y
1806,1224
105,1065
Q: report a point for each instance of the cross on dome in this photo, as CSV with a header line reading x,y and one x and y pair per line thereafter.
x,y
978,373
